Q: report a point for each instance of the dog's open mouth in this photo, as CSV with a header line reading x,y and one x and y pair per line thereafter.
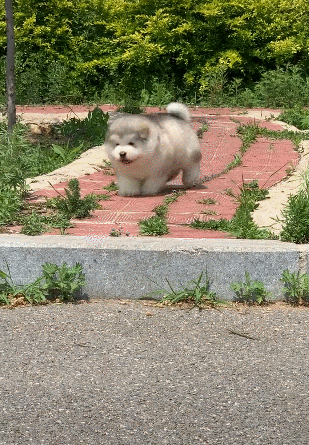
x,y
126,161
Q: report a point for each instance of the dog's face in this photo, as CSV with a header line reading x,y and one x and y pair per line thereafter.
x,y
128,140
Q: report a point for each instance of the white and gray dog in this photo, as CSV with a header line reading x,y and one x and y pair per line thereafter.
x,y
147,151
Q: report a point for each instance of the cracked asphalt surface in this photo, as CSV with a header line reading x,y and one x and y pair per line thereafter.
x,y
126,372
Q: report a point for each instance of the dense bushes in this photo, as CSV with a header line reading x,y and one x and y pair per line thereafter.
x,y
202,49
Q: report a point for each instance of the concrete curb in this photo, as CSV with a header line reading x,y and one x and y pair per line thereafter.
x,y
132,267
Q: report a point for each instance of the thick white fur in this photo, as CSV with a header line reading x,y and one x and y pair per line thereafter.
x,y
147,151
179,110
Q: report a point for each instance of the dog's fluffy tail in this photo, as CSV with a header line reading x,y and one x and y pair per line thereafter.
x,y
178,110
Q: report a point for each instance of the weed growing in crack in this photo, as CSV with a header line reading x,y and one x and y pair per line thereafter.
x,y
59,211
235,163
118,232
157,225
249,133
153,226
209,212
107,168
57,282
296,287
111,187
199,296
250,291
242,224
207,201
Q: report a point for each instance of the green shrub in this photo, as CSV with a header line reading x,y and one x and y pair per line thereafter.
x,y
297,116
90,131
283,88
209,51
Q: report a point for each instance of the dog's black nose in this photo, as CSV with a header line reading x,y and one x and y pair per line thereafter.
x,y
122,154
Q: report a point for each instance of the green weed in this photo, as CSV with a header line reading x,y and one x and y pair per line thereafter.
x,y
242,224
11,203
250,291
130,108
32,293
112,187
207,201
115,232
33,224
235,163
63,281
90,131
153,226
72,205
248,134
22,156
296,287
209,212
199,296
107,168
295,216
156,225
60,282
59,211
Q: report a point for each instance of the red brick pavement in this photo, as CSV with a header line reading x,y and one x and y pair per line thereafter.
x,y
266,161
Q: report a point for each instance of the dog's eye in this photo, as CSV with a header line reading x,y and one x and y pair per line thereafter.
x,y
131,143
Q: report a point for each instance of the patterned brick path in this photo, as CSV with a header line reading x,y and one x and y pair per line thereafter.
x,y
266,161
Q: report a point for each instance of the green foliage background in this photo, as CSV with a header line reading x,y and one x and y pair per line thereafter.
x,y
105,49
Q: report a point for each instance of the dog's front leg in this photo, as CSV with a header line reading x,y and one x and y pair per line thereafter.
x,y
128,186
153,185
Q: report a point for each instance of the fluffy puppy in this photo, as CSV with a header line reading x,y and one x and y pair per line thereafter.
x,y
147,151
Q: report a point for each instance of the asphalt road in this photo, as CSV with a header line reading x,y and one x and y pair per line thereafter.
x,y
121,373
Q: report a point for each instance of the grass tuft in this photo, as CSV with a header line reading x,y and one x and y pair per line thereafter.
x,y
199,296
157,225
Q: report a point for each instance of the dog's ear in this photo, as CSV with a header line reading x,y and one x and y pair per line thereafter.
x,y
144,132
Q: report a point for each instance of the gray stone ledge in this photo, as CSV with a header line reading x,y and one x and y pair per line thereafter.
x,y
127,267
